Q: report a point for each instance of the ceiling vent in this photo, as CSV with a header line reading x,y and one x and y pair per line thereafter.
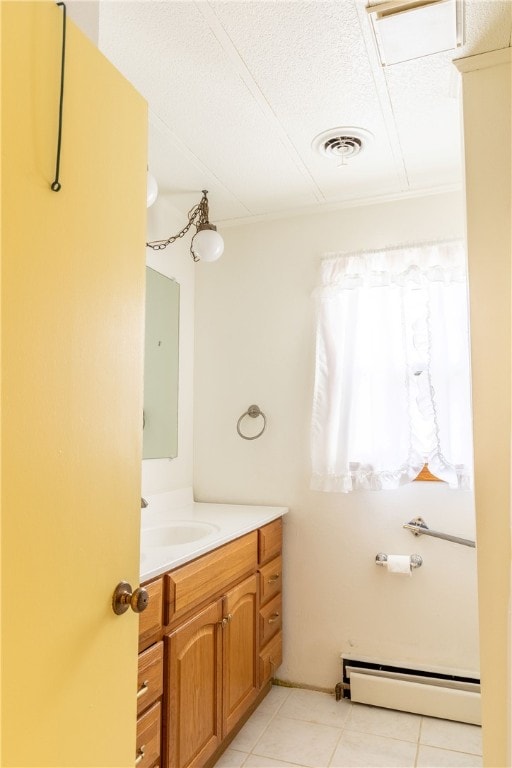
x,y
342,144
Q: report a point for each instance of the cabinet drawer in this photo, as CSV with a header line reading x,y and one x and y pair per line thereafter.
x,y
270,620
270,539
271,579
206,577
147,751
271,657
150,620
150,676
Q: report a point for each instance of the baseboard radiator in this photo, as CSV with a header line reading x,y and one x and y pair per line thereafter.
x,y
425,693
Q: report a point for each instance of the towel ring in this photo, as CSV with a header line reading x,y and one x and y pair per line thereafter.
x,y
253,411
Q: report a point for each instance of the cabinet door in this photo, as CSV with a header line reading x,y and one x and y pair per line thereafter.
x,y
194,689
240,652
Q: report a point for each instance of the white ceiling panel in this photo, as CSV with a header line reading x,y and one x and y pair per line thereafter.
x,y
424,94
310,64
308,59
207,104
238,89
487,26
181,175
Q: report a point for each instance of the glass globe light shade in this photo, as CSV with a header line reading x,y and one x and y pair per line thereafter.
x,y
151,190
207,245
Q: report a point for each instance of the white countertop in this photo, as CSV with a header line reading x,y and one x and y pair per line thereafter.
x,y
178,511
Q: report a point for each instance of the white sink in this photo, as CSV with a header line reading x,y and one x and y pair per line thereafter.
x,y
176,532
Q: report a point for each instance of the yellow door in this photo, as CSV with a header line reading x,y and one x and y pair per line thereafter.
x,y
72,336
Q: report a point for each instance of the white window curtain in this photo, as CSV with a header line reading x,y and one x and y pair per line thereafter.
x,y
392,377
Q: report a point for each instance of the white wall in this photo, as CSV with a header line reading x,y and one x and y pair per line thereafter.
x,y
86,15
159,475
255,344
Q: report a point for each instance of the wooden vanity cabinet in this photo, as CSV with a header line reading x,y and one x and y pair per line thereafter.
x,y
212,646
240,652
193,584
212,675
194,689
270,572
151,620
149,738
270,541
150,680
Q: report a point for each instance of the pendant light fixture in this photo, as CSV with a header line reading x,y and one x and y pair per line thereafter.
x,y
151,190
206,244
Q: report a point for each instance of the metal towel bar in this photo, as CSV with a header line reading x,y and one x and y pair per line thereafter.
x,y
419,527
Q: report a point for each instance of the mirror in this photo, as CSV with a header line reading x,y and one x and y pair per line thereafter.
x,y
160,433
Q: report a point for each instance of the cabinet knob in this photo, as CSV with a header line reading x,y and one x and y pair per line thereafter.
x,y
143,689
123,598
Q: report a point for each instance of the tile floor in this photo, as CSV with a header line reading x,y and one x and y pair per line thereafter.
x,y
294,727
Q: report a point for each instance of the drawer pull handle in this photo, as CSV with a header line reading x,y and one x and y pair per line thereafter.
x,y
274,617
140,755
272,579
143,689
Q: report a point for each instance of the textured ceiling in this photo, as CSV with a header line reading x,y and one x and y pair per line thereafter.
x,y
238,89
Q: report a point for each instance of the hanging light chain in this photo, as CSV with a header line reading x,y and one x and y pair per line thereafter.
x,y
198,216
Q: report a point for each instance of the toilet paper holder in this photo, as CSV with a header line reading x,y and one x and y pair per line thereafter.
x,y
416,560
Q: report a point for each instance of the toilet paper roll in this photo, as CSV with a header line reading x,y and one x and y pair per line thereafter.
x,y
399,564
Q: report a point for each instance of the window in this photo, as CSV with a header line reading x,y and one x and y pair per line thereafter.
x,y
392,379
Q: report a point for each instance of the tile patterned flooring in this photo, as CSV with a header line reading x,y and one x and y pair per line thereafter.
x,y
306,729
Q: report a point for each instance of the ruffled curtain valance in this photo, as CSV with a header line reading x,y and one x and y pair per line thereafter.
x,y
392,378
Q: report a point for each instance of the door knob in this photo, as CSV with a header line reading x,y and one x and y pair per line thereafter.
x,y
123,598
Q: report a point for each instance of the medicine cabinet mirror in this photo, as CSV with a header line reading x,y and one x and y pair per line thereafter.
x,y
160,433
